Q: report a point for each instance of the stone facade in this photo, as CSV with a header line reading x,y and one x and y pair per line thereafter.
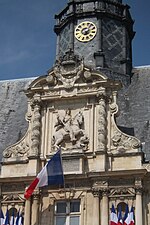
x,y
75,106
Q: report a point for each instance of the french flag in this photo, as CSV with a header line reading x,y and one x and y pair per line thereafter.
x,y
113,216
6,220
1,217
19,219
132,221
12,218
51,174
126,216
120,221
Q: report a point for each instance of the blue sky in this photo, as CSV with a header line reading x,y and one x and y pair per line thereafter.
x,y
27,40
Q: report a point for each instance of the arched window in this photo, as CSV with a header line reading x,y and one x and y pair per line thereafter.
x,y
12,212
123,206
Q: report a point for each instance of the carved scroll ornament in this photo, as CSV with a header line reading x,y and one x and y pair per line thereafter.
x,y
20,149
121,142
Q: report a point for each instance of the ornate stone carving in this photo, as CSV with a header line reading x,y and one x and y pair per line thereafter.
x,y
138,186
122,142
139,190
35,137
36,195
67,70
102,120
122,192
95,192
87,89
101,187
100,184
70,128
105,191
20,149
12,198
68,194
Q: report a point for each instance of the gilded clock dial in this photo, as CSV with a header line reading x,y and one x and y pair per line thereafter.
x,y
85,31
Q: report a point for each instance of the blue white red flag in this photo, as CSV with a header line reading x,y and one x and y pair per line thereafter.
x,y
120,221
51,174
113,216
6,220
21,219
17,218
132,221
126,219
12,218
1,217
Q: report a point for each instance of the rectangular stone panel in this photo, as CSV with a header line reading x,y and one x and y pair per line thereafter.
x,y
71,166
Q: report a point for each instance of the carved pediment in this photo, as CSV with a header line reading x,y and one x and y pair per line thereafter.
x,y
68,72
12,198
122,192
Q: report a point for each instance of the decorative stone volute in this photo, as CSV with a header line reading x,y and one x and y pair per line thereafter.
x,y
120,142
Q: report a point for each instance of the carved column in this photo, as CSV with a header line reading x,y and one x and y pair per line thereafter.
x,y
35,137
102,123
96,208
138,206
104,208
35,210
27,214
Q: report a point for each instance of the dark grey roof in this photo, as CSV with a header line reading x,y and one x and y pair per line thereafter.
x,y
134,106
13,106
133,101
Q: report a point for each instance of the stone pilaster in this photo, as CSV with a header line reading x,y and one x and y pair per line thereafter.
x,y
35,210
104,208
102,123
27,215
138,203
138,207
96,208
35,137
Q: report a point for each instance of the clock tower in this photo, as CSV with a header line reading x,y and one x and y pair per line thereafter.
x,y
100,32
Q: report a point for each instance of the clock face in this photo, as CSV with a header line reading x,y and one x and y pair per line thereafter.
x,y
85,31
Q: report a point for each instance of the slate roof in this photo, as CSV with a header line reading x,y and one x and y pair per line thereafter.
x,y
13,107
133,101
134,106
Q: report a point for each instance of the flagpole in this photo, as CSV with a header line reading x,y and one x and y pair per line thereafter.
x,y
59,147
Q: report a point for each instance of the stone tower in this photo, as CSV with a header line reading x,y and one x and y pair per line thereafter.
x,y
99,31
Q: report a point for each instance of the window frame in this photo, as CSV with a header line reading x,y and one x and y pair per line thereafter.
x,y
68,214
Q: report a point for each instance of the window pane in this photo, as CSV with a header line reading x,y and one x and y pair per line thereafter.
x,y
60,220
74,206
61,207
74,220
